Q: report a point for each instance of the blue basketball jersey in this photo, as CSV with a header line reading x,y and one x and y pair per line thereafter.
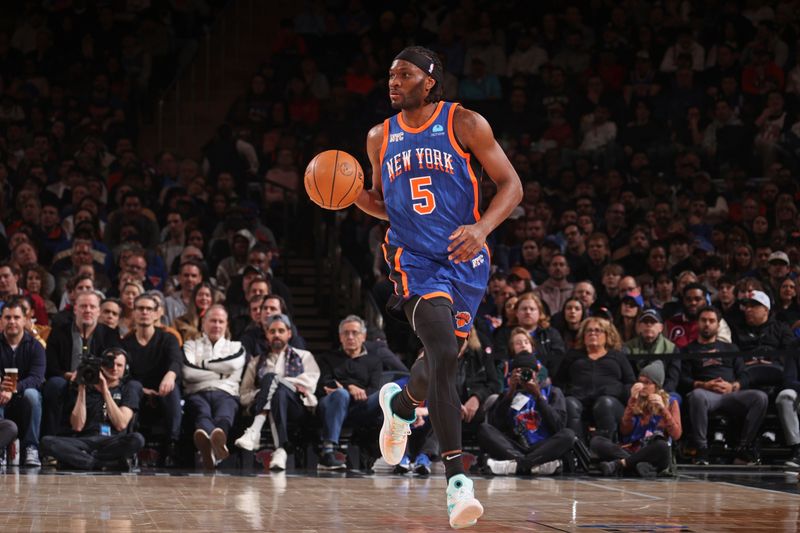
x,y
428,185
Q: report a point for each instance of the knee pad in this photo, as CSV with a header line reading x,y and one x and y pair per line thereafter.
x,y
420,310
432,321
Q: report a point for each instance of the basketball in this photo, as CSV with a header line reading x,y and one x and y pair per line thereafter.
x,y
334,179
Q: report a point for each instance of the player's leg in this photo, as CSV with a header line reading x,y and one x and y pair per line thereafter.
x,y
399,405
432,320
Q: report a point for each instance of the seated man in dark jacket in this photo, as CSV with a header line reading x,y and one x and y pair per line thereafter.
x,y
719,384
527,433
65,347
758,337
348,388
20,399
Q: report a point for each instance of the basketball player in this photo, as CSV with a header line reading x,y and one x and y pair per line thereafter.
x,y
435,247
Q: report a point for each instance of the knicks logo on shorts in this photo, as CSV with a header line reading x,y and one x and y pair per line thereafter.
x,y
462,319
478,261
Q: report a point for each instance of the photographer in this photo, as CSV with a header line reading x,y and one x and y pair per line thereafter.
x,y
20,399
100,416
527,433
156,362
64,349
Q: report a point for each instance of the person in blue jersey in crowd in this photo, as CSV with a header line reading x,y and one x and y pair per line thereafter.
x,y
423,183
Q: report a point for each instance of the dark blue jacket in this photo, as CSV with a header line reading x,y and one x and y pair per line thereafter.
x,y
29,358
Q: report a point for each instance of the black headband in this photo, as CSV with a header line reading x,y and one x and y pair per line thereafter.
x,y
423,62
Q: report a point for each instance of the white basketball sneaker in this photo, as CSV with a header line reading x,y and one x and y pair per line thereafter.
x,y
394,431
462,507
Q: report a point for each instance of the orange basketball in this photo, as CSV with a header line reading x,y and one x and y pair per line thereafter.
x,y
334,179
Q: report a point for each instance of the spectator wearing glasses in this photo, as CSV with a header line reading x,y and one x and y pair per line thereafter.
x,y
155,361
597,377
348,388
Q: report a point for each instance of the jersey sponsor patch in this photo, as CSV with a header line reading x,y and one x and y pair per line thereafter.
x,y
437,129
462,319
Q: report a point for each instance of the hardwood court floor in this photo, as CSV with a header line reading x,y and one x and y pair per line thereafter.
x,y
296,503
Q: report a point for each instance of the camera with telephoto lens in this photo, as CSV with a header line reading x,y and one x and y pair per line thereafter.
x,y
88,371
525,375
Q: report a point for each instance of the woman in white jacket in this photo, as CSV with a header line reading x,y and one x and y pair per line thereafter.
x,y
212,371
280,386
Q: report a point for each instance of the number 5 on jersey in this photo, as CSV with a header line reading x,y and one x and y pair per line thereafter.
x,y
424,201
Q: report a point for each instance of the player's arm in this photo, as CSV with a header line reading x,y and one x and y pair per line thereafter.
x,y
371,201
475,134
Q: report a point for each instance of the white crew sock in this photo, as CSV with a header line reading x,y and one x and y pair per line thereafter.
x,y
258,421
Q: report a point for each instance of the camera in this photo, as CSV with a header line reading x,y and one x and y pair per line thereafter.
x,y
525,375
88,371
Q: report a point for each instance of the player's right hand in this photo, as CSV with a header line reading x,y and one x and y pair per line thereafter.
x,y
467,242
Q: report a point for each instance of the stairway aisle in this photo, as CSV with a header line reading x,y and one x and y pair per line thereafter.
x,y
313,320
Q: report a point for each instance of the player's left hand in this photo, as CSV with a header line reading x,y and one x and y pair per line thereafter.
x,y
467,241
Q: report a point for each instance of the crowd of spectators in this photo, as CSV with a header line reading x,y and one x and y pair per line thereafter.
x,y
656,141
